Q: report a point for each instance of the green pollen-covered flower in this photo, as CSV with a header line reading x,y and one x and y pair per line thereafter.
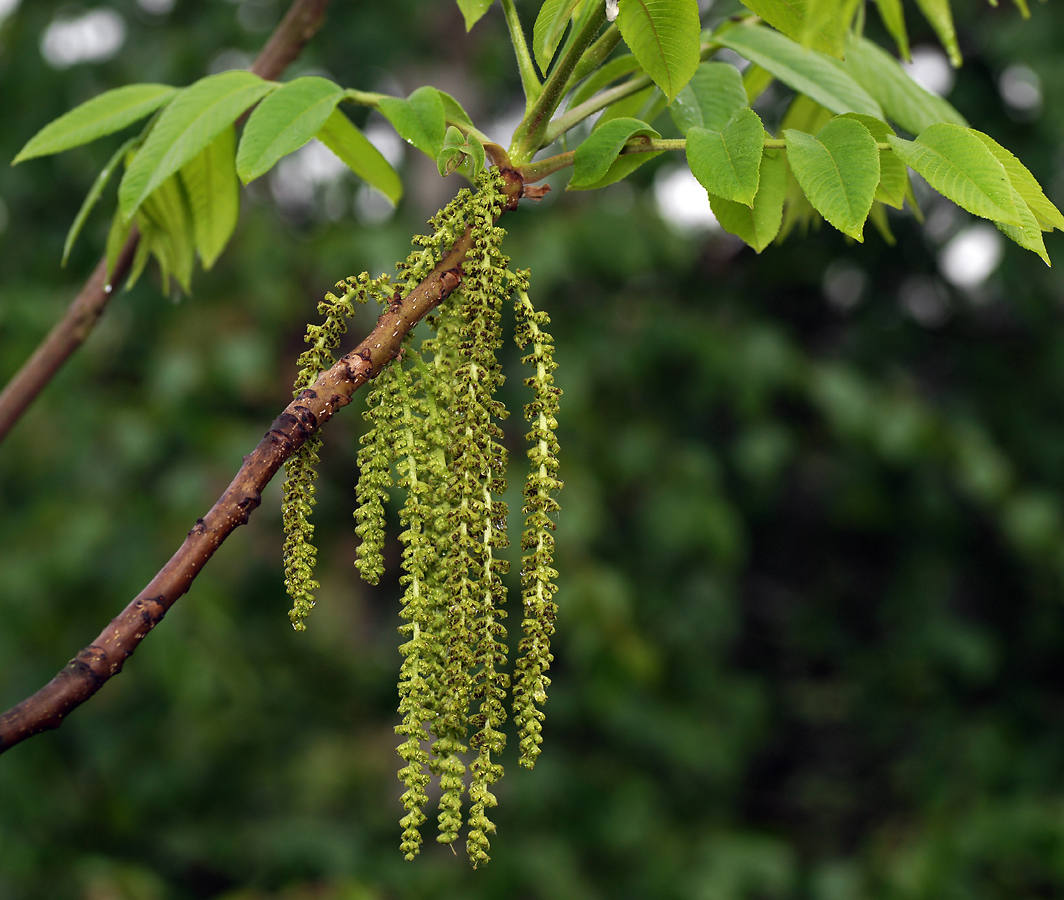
x,y
537,540
298,553
434,433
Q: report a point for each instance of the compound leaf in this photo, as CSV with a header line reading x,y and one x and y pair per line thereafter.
x,y
902,99
359,155
547,33
893,175
1049,217
957,164
104,114
284,122
838,170
1027,234
420,119
193,119
116,238
165,224
890,11
453,110
759,224
807,71
728,163
213,191
473,11
709,99
664,35
93,196
938,13
602,76
821,26
595,155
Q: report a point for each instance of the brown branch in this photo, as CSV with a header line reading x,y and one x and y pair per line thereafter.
x,y
87,672
92,667
294,32
299,25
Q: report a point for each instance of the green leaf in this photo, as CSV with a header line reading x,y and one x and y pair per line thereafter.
x,y
664,36
547,33
1049,217
806,115
193,119
93,196
759,224
453,110
807,71
798,212
728,163
165,223
1027,234
284,122
595,155
461,152
609,72
634,106
878,218
452,152
709,99
938,13
821,31
902,99
838,170
755,82
473,10
890,11
829,19
893,174
957,164
116,239
141,256
420,119
107,113
360,156
478,158
213,195
619,169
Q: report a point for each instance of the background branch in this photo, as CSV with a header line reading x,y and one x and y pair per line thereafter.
x,y
295,30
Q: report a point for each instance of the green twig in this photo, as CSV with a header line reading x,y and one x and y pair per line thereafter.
x,y
529,136
540,169
529,80
594,56
573,117
364,98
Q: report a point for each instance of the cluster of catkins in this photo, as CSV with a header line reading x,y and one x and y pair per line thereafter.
x,y
433,419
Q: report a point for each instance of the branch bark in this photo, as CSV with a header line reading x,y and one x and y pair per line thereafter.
x,y
299,25
103,658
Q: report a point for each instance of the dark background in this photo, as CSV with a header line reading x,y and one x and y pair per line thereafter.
x,y
811,543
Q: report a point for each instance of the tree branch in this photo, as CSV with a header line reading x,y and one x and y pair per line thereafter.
x,y
92,667
299,25
293,33
84,675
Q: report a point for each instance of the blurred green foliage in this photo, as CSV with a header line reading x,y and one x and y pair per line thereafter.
x,y
812,550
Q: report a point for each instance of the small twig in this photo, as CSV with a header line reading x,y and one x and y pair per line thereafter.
x,y
529,81
299,25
